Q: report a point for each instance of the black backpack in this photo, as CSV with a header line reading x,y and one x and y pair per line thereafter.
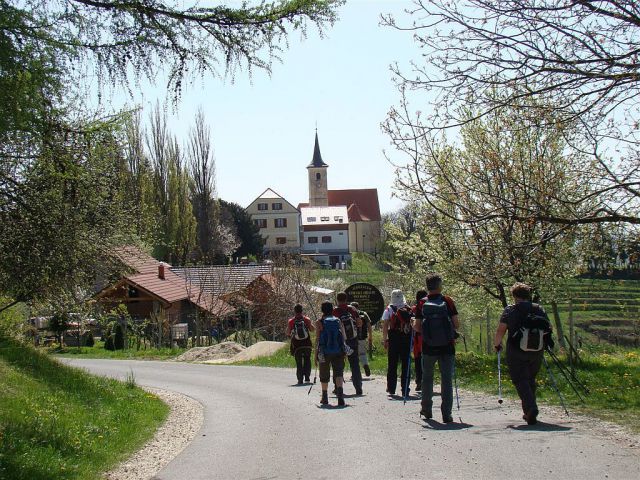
x,y
534,331
349,324
300,330
437,327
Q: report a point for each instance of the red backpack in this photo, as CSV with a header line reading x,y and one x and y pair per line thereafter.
x,y
401,319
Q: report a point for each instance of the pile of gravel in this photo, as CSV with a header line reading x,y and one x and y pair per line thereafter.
x,y
222,350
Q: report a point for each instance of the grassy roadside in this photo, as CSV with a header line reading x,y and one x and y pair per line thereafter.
x,y
613,379
57,422
98,351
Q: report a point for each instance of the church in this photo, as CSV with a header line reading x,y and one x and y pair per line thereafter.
x,y
331,225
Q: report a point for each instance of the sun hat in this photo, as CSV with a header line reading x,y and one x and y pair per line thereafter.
x,y
397,298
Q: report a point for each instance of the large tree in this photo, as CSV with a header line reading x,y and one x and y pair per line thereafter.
x,y
579,56
467,199
248,234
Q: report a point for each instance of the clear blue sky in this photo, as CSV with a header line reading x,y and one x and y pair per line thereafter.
x,y
263,127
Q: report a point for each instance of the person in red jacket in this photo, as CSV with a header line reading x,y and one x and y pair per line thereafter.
x,y
417,343
298,329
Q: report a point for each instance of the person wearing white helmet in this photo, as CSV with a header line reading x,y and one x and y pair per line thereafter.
x,y
396,337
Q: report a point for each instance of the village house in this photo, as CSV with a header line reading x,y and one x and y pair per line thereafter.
x,y
325,234
278,221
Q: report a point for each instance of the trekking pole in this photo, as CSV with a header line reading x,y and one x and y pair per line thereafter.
x,y
567,373
455,382
408,379
556,361
555,385
499,380
315,375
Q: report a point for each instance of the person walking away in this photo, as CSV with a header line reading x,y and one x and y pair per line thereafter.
x,y
330,352
351,322
417,343
437,322
298,330
529,331
396,338
365,339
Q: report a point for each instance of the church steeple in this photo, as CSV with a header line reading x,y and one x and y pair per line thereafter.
x,y
317,162
318,190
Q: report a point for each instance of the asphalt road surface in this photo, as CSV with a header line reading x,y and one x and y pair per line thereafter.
x,y
259,426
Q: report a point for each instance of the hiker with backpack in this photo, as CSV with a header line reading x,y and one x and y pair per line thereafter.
x,y
351,322
365,338
396,338
298,329
330,352
529,333
437,321
417,343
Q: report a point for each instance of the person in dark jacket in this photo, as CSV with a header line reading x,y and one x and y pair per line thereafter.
x,y
365,338
442,354
344,311
523,365
396,338
298,329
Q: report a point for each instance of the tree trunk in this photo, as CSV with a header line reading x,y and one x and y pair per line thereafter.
x,y
559,329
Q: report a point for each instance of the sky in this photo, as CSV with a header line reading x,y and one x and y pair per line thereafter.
x,y
263,126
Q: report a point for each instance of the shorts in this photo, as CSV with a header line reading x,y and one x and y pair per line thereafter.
x,y
335,361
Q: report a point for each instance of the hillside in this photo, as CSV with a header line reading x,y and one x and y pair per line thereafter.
x,y
57,422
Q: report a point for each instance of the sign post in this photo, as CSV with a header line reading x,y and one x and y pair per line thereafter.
x,y
369,299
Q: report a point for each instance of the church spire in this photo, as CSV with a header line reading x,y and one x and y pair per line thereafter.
x,y
317,158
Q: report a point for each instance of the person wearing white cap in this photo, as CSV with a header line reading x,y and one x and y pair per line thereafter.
x,y
396,337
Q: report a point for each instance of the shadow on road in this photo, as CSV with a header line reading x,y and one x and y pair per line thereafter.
x,y
332,407
540,427
431,424
410,398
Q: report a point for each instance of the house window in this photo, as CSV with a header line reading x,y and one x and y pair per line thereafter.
x,y
263,206
312,240
324,219
260,222
338,219
280,222
281,240
276,206
311,219
326,239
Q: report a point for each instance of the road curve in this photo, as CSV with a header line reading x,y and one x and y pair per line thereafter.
x,y
258,426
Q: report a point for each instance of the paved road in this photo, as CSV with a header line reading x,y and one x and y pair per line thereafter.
x,y
258,426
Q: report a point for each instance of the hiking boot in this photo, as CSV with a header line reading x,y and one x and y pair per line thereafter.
x,y
325,398
367,370
358,391
307,380
447,419
418,387
299,382
426,414
340,395
531,417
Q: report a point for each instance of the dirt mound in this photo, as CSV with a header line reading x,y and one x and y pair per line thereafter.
x,y
260,349
224,350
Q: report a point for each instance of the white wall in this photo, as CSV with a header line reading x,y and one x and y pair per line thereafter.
x,y
339,241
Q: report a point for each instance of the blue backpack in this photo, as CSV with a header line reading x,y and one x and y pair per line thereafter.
x,y
437,328
331,341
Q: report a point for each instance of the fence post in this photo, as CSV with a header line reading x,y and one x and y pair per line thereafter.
x,y
572,359
560,330
488,332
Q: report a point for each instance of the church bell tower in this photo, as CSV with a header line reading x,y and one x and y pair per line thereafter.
x,y
318,196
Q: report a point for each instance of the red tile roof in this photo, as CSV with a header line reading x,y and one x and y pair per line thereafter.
x,y
171,289
366,200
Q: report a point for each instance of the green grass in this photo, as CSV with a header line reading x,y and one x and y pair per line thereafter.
x,y
58,422
98,351
613,378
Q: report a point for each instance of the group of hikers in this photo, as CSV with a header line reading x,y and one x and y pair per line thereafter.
x,y
426,332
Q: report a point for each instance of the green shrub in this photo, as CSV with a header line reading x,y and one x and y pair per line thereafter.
x,y
90,341
118,338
